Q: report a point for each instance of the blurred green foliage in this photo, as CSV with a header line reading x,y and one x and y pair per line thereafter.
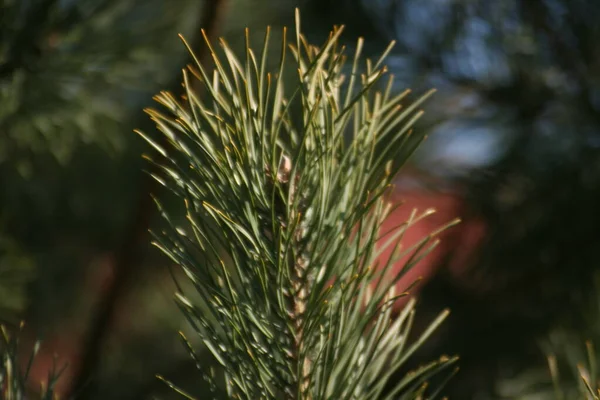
x,y
16,273
72,72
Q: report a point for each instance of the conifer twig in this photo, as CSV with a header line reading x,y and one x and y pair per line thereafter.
x,y
285,199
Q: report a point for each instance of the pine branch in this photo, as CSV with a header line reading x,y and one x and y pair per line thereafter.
x,y
13,375
284,221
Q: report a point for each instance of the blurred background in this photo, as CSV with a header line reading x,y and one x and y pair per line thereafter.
x,y
513,149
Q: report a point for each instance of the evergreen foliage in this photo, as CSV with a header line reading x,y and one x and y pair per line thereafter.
x,y
283,223
14,375
16,272
572,367
70,69
585,385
